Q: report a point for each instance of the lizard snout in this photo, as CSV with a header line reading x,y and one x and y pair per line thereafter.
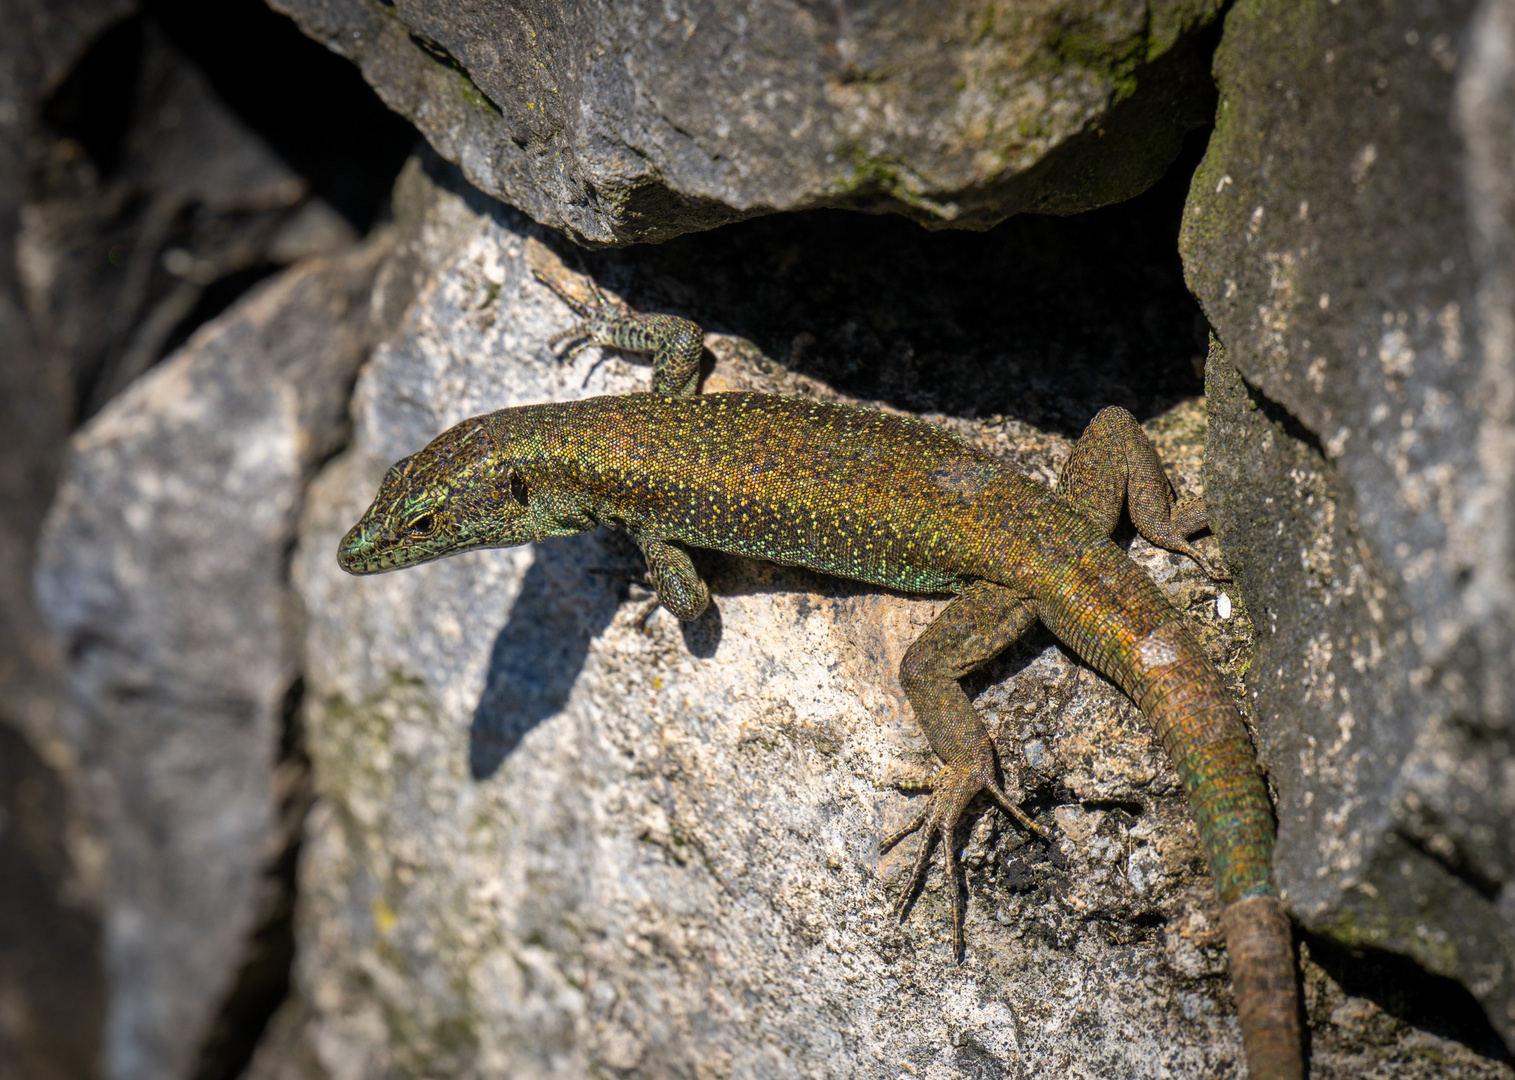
x,y
357,552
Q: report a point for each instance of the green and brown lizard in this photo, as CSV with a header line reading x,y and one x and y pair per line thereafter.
x,y
899,503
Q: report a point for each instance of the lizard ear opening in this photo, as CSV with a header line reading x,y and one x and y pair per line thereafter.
x,y
518,489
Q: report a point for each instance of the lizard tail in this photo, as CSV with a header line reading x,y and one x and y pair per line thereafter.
x,y
1203,733
1260,945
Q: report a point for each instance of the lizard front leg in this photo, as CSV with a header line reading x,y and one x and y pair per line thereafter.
x,y
970,631
678,584
1114,464
674,344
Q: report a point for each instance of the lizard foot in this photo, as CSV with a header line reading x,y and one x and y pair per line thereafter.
x,y
951,792
599,317
1183,547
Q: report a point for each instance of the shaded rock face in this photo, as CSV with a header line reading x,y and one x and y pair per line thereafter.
x,y
137,201
163,573
51,984
153,198
36,53
1349,234
620,122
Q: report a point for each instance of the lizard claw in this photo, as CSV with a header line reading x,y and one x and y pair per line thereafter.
x,y
580,307
1212,571
951,792
597,315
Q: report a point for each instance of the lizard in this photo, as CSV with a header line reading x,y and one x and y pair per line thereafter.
x,y
896,502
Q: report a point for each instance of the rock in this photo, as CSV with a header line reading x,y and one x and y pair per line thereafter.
x,y
52,991
1349,234
35,394
127,229
163,571
630,122
135,203
552,841
45,42
51,982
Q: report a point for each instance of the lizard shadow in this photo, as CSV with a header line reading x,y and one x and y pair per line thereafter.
x,y
569,595
567,599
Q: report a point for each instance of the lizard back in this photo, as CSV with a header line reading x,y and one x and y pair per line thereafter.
x,y
858,493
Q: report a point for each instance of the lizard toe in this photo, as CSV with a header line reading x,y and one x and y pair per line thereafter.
x,y
919,871
952,791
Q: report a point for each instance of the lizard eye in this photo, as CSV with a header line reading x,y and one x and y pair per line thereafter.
x,y
424,525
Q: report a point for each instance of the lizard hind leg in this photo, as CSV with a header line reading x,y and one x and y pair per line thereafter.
x,y
1114,464
969,632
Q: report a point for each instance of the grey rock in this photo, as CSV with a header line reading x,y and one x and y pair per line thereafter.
x,y
115,255
41,43
163,571
620,122
52,989
552,841
1349,234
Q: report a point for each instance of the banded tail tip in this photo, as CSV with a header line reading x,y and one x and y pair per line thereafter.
x,y
1265,980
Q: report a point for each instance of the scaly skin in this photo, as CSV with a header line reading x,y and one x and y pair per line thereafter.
x,y
898,503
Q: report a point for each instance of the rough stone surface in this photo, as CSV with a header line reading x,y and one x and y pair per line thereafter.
x,y
620,122
1349,234
163,571
553,840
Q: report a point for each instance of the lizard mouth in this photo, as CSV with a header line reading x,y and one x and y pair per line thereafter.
x,y
374,549
359,553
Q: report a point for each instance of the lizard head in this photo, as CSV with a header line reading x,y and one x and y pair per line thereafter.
x,y
458,493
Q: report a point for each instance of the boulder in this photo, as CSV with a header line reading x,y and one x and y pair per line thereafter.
x,y
152,200
51,983
136,202
163,572
1349,235
43,43
624,122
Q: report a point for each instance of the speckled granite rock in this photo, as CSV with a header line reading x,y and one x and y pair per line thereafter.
x,y
1349,235
163,572
554,841
620,122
